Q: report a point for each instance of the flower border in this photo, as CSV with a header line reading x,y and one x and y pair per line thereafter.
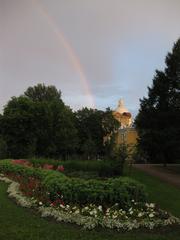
x,y
88,222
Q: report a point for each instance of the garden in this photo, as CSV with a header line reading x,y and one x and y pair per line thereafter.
x,y
120,203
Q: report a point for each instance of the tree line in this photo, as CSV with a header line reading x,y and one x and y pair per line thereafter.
x,y
38,123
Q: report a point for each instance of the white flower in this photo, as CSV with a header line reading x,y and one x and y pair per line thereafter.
x,y
146,204
152,205
131,212
140,214
151,215
67,206
100,208
62,206
40,203
77,211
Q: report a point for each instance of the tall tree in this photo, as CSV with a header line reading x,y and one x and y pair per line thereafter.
x,y
93,125
89,126
38,123
17,128
41,93
158,120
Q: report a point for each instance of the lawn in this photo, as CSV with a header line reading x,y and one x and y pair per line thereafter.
x,y
164,194
18,223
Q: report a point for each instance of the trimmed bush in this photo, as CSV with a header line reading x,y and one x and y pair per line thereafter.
x,y
101,168
7,167
75,190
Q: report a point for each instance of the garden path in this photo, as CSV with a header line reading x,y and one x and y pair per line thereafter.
x,y
171,178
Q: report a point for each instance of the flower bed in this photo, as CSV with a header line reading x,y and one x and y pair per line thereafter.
x,y
78,191
90,216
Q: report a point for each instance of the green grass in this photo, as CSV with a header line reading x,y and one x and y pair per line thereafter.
x,y
164,194
17,223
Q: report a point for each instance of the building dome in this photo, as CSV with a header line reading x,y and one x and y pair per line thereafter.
x,y
121,108
123,115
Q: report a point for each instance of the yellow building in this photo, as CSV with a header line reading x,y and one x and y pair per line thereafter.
x,y
126,133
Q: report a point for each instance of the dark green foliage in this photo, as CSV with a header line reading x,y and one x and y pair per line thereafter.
x,y
6,166
158,121
93,125
119,156
107,192
3,148
89,126
43,93
38,123
109,123
17,128
80,191
100,168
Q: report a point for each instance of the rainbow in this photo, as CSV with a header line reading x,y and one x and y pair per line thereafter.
x,y
70,51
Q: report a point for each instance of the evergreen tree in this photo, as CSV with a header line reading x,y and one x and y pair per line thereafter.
x,y
158,120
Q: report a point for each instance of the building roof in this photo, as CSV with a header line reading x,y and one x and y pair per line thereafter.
x,y
121,108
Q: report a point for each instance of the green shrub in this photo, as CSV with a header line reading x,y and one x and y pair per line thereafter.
x,y
101,168
119,157
80,191
75,190
6,166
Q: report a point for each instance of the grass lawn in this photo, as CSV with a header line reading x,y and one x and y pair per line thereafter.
x,y
17,223
164,194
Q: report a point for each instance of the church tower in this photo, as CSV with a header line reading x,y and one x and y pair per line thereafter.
x,y
127,133
123,115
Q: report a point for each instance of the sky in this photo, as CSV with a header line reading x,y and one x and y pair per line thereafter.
x,y
94,51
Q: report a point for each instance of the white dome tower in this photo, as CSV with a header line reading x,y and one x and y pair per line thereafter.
x,y
123,115
121,108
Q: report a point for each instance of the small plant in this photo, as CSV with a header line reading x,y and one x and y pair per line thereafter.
x,y
118,158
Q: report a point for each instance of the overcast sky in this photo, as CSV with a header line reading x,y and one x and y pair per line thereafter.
x,y
94,51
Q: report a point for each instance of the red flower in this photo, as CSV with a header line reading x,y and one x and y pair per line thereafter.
x,y
60,168
21,162
48,166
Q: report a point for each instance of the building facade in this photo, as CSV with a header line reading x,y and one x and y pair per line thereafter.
x,y
126,134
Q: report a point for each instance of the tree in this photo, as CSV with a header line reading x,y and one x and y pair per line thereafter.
x,y
38,123
110,127
158,120
17,128
90,132
54,122
41,93
109,123
93,125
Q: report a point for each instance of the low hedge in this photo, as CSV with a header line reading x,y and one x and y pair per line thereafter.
x,y
6,166
75,190
103,168
118,190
